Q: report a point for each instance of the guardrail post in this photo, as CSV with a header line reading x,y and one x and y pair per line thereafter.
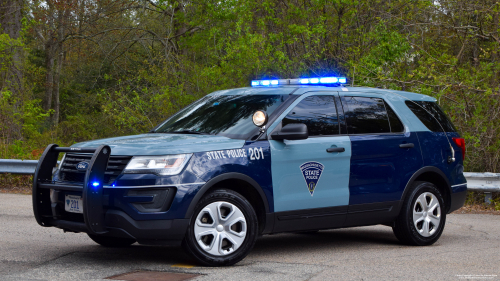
x,y
487,198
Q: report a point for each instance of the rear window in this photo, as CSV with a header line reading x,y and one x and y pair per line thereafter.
x,y
366,115
428,112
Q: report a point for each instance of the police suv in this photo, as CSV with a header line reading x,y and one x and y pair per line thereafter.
x,y
289,155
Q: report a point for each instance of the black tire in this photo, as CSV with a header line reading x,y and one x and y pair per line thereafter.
x,y
308,232
418,234
194,249
111,242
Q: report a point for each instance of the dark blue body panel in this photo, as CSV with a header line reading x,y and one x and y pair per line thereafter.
x,y
435,151
202,167
380,169
185,183
256,164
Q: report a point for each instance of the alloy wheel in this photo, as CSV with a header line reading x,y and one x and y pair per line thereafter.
x,y
220,228
426,214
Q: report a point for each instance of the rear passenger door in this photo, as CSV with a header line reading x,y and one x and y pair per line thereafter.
x,y
385,154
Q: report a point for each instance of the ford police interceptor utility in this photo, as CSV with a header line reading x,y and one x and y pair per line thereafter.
x,y
289,155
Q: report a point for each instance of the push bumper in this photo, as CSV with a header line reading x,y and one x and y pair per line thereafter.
x,y
96,218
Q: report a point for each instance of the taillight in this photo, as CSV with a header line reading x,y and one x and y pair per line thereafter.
x,y
461,143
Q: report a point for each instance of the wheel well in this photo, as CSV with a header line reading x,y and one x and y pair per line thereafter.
x,y
249,192
440,183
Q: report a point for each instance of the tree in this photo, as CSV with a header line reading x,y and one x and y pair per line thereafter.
x,y
11,13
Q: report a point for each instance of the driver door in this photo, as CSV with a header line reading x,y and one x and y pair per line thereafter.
x,y
310,184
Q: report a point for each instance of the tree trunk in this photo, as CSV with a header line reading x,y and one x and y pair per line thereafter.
x,y
10,21
57,76
49,77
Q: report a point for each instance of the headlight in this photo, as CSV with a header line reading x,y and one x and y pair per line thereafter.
x,y
159,165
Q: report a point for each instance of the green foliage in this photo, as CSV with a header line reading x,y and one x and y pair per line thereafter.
x,y
127,71
476,201
28,117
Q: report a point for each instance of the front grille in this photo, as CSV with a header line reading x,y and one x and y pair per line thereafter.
x,y
69,173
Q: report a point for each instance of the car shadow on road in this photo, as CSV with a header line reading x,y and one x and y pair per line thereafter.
x,y
286,243
335,239
138,253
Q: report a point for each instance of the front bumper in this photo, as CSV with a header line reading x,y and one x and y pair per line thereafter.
x,y
152,214
122,217
119,224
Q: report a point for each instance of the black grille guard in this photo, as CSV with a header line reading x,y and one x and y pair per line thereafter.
x,y
93,212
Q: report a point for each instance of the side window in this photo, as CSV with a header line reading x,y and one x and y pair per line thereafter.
x,y
366,115
318,113
422,109
396,125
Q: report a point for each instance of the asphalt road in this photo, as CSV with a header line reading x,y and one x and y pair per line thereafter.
x,y
469,249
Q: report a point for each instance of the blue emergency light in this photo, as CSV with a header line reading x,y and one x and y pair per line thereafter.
x,y
301,81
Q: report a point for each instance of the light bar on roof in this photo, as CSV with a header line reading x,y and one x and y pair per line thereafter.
x,y
300,81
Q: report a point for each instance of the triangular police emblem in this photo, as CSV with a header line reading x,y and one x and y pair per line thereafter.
x,y
311,172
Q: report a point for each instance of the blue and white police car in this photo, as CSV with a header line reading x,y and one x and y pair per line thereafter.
x,y
288,155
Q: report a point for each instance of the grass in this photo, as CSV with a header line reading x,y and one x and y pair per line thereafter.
x,y
474,204
19,184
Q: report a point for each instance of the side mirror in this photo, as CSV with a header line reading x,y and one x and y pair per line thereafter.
x,y
291,132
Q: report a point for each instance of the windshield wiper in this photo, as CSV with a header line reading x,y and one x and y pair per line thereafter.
x,y
187,132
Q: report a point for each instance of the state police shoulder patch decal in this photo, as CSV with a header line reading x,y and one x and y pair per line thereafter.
x,y
311,172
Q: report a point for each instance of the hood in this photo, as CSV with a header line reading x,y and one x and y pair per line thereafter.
x,y
163,144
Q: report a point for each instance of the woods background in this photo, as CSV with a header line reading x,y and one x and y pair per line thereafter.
x,y
74,70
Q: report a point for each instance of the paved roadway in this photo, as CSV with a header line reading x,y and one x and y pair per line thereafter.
x,y
470,245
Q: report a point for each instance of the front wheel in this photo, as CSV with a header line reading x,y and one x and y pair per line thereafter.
x,y
422,217
223,229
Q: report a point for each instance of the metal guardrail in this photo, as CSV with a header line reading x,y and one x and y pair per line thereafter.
x,y
15,166
483,182
487,182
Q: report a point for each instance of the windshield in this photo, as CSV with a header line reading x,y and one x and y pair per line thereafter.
x,y
225,115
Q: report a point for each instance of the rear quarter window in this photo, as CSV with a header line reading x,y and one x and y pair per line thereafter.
x,y
396,125
431,115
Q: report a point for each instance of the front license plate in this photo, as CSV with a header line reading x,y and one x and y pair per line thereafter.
x,y
73,204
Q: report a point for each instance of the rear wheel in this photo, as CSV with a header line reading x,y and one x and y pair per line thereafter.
x,y
223,229
422,217
113,242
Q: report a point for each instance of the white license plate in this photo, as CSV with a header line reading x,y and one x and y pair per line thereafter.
x,y
73,204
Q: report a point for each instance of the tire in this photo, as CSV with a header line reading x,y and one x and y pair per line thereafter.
x,y
111,242
308,232
422,217
229,237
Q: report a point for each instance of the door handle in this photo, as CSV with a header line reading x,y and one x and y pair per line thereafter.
x,y
335,149
407,145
